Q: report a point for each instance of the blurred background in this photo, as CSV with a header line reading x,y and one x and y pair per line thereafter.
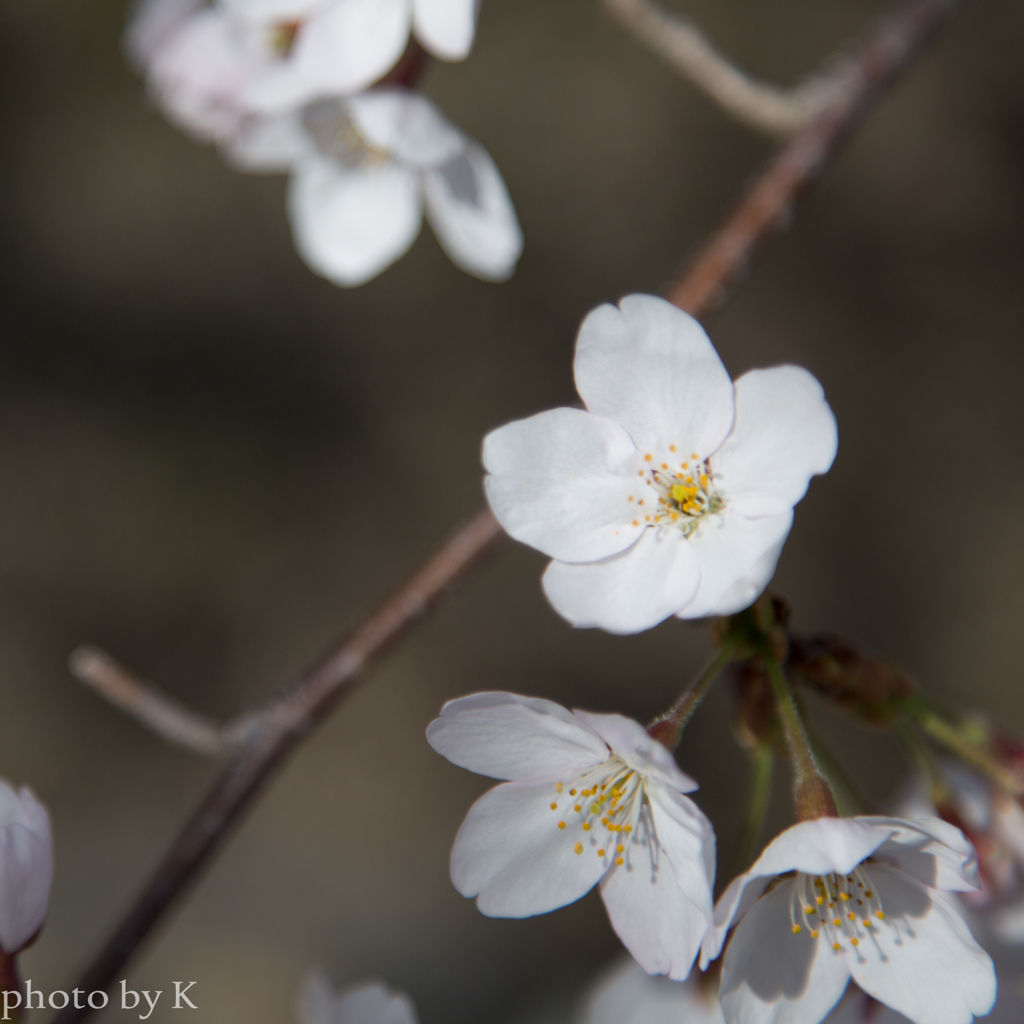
x,y
213,462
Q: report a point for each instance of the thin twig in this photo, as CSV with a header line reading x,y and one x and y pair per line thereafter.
x,y
681,44
165,716
759,214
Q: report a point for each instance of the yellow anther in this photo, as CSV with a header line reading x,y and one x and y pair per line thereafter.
x,y
561,824
694,455
577,808
671,447
844,895
797,929
586,826
627,828
636,522
684,465
631,498
619,861
809,910
600,853
664,465
558,787
879,915
572,792
578,847
867,924
838,921
819,900
554,807
868,893
836,946
648,458
851,916
641,501
704,481
815,934
854,942
619,849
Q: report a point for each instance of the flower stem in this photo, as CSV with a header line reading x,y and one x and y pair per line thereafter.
x,y
10,981
935,722
668,727
812,793
762,764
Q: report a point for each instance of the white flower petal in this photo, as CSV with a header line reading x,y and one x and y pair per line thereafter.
x,y
26,867
923,962
821,846
368,1003
651,367
628,995
268,145
198,75
270,11
151,24
445,27
561,482
737,559
931,850
469,208
350,44
740,895
511,853
631,591
784,433
635,745
407,125
507,736
771,976
351,224
659,901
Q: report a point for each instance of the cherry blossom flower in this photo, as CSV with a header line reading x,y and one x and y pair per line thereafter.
x,y
672,493
26,867
210,64
363,172
861,898
626,994
368,1003
591,799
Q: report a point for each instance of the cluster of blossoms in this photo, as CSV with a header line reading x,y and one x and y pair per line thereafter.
x,y
672,493
301,86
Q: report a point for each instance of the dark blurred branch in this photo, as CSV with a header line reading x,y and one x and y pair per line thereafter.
x,y
760,213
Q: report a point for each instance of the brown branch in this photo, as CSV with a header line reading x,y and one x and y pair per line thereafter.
x,y
761,212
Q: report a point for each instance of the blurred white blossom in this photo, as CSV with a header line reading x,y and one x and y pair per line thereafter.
x,y
370,1002
627,994
208,64
673,492
364,171
26,867
863,898
593,799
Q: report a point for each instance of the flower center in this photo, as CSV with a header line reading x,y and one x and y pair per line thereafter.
x,y
610,803
678,494
844,907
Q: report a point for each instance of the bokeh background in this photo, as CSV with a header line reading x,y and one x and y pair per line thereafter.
x,y
212,462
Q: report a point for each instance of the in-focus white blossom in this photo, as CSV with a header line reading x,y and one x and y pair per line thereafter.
x,y
26,867
364,171
627,994
210,62
592,799
673,491
368,1003
863,898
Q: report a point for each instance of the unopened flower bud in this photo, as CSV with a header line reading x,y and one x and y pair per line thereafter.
x,y
26,867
